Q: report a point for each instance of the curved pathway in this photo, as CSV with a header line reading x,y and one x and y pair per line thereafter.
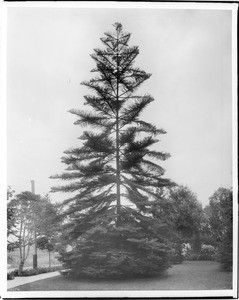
x,y
28,279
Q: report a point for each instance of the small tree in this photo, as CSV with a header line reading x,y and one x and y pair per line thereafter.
x,y
184,214
208,237
11,220
11,208
220,215
109,220
27,206
189,215
44,243
47,226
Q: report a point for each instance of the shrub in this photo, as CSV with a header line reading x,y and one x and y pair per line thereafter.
x,y
40,270
192,256
177,256
65,272
11,275
186,249
208,252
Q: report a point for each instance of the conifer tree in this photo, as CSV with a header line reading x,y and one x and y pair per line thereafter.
x,y
109,221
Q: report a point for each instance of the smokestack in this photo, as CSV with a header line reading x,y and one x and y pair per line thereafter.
x,y
33,186
35,236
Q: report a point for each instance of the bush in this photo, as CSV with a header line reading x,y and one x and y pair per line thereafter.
x,y
11,275
65,272
192,256
117,266
118,252
40,270
177,256
208,252
186,249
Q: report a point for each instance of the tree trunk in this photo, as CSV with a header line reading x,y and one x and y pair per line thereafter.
x,y
197,243
117,145
20,269
49,252
117,171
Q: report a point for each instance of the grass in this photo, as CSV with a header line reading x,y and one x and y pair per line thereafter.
x,y
190,275
42,258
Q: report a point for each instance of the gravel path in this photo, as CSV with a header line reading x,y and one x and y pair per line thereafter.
x,y
193,275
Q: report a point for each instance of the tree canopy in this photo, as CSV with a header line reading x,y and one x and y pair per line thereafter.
x,y
30,213
11,209
219,214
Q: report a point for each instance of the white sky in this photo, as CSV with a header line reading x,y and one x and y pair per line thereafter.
x,y
188,53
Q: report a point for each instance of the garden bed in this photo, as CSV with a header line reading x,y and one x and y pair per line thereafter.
x,y
31,272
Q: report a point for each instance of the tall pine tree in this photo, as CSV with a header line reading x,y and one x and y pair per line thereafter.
x,y
108,221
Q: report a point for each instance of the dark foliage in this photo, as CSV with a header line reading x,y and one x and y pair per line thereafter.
x,y
109,222
32,272
220,225
44,243
11,211
183,214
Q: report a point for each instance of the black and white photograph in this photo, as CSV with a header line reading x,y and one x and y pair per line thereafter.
x,y
119,126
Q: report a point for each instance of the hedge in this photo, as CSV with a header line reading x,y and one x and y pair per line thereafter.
x,y
31,271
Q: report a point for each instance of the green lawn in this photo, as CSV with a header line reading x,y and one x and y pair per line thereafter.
x,y
190,275
42,258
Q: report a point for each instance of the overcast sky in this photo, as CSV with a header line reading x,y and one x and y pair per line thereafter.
x,y
188,52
